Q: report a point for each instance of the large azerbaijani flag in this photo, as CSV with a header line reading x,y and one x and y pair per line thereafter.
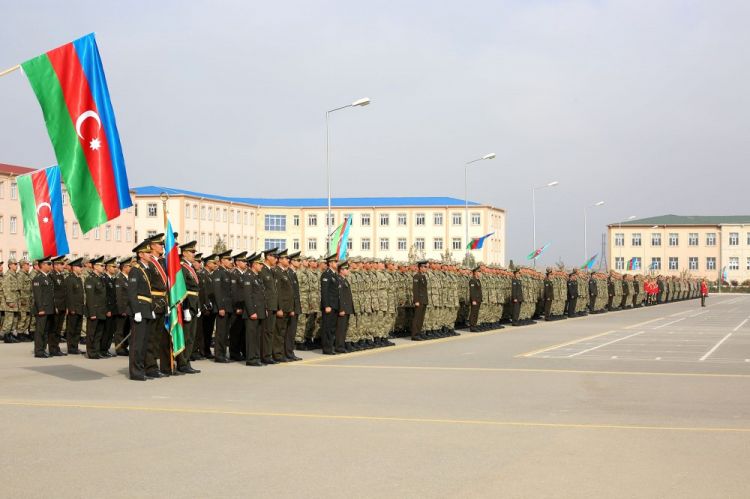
x,y
339,242
70,85
42,211
176,291
477,242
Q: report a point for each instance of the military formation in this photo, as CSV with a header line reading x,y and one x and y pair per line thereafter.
x,y
259,308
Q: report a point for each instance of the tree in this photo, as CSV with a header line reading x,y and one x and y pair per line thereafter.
x,y
447,257
220,246
560,264
415,253
469,260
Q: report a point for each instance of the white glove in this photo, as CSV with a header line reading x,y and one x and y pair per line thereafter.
x,y
186,315
137,317
153,315
199,313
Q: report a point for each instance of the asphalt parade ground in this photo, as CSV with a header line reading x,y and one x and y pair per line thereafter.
x,y
652,402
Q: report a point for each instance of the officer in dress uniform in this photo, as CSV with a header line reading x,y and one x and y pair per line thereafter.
x,y
57,276
254,309
191,310
44,312
346,308
96,308
329,304
122,311
74,305
237,327
516,297
108,278
141,305
572,294
475,298
159,340
295,263
285,294
420,299
272,305
208,304
222,286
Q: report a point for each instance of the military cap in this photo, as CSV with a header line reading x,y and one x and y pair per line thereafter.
x,y
355,259
211,258
78,262
158,238
226,255
344,264
22,261
255,258
143,247
125,260
422,262
188,246
295,255
97,260
282,253
477,268
38,262
240,257
12,260
270,252
198,256
111,261
58,259
331,258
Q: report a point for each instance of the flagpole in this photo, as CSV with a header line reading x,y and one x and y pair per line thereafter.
x,y
10,70
164,198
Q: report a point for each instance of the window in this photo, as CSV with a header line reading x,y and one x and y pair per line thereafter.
x,y
365,219
12,254
274,243
2,189
295,220
365,245
693,263
2,224
711,239
655,239
734,263
734,239
437,244
224,215
149,233
656,263
203,212
456,243
674,239
619,239
187,210
384,219
402,218
128,234
419,243
636,263
419,219
437,218
748,263
312,244
693,239
136,209
151,208
312,220
13,225
203,238
711,263
476,218
385,244
332,220
674,263
636,239
211,213
275,223
195,211
456,219
13,190
402,244
349,243
619,262
108,232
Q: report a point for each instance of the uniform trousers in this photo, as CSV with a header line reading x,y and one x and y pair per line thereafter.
x,y
342,324
222,333
45,333
328,332
515,314
291,333
418,320
237,337
73,331
188,328
165,344
547,308
279,337
108,334
94,331
139,339
156,326
265,331
122,328
474,314
208,321
252,339
572,302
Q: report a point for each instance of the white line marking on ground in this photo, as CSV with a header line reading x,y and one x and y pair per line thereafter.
x,y
699,313
680,313
605,344
613,357
716,346
741,324
658,358
670,323
633,326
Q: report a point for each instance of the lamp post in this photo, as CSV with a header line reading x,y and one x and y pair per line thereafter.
x,y
357,103
585,228
466,193
533,209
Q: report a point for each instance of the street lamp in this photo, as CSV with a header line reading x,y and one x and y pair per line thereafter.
x,y
533,208
585,228
357,103
466,193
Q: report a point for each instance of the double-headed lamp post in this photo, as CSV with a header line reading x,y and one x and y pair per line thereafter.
x,y
533,209
357,103
466,193
585,228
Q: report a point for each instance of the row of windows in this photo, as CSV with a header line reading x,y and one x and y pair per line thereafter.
x,y
365,244
674,239
278,222
674,263
75,230
13,190
210,213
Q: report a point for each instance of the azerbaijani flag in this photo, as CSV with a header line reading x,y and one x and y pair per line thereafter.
x,y
477,242
42,211
70,85
339,239
725,274
631,264
590,262
537,252
176,290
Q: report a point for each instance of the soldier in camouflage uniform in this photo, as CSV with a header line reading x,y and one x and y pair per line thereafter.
x,y
11,303
304,277
25,298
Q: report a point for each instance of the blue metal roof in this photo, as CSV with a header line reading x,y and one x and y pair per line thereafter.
x,y
153,190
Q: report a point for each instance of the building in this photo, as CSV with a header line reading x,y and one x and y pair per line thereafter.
x,y
672,245
114,238
395,227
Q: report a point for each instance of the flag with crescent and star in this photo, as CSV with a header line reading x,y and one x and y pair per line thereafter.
x,y
40,193
176,291
537,252
71,88
477,242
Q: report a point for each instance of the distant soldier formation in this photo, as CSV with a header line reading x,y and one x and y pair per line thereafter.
x,y
259,308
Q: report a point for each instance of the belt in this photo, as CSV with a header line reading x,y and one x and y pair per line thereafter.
x,y
144,298
192,293
159,293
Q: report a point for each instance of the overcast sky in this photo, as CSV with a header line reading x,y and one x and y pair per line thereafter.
x,y
642,104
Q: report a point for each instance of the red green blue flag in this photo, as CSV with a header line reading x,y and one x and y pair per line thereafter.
x,y
340,238
477,242
71,88
537,252
40,193
176,291
590,262
633,263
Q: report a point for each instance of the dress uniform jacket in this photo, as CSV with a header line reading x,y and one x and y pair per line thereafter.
x,y
193,287
516,293
59,293
222,286
158,285
329,290
475,290
284,290
253,296
121,294
73,288
296,288
206,295
269,283
139,292
96,297
572,290
44,294
346,300
419,289
109,283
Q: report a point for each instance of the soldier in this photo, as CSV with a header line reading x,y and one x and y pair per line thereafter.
x,y
295,263
517,297
12,296
208,304
346,308
572,294
74,306
475,298
44,310
237,327
121,312
272,305
96,308
312,327
57,276
191,310
25,298
329,303
222,286
254,306
285,310
108,279
159,339
420,300
142,308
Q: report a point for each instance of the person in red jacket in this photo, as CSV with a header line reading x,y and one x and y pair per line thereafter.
x,y
704,292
